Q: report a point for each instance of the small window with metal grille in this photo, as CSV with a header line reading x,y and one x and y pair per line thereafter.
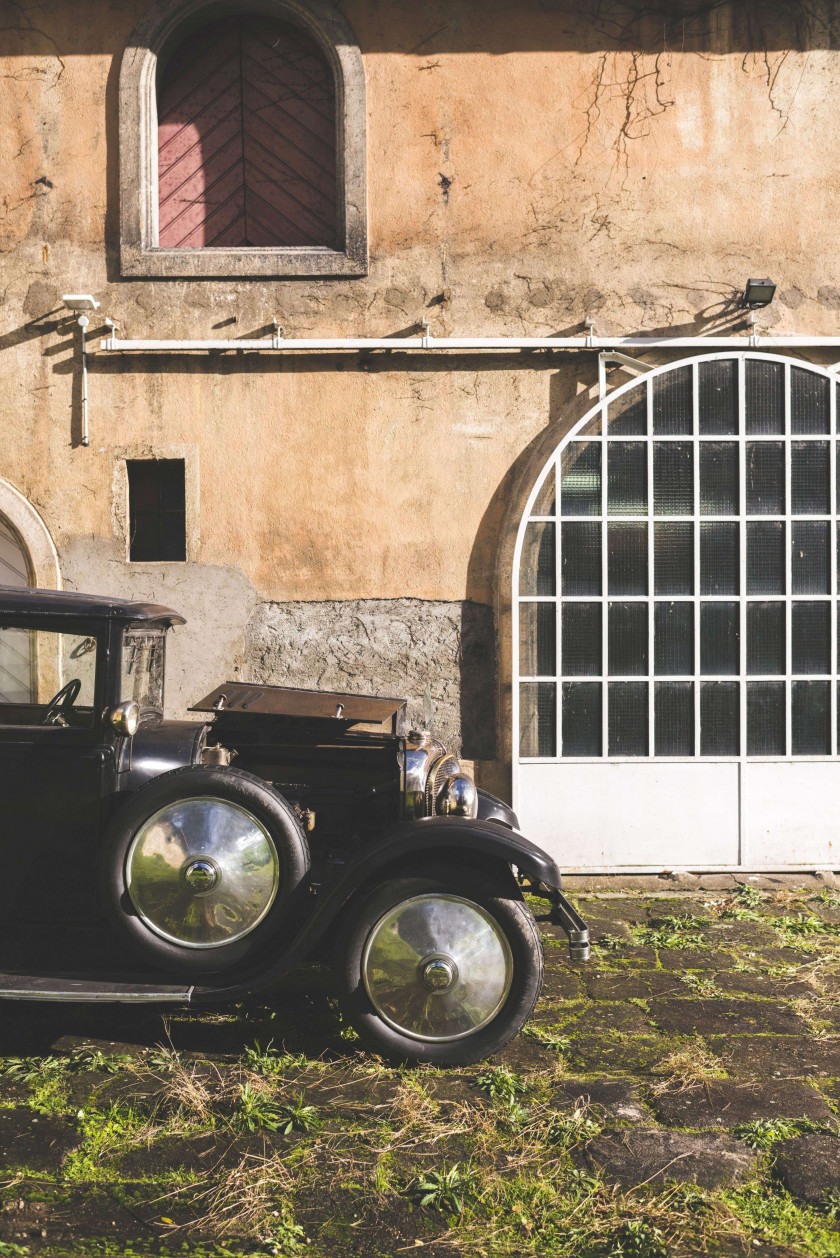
x,y
157,510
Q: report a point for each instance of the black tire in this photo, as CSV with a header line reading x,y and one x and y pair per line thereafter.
x,y
497,896
250,793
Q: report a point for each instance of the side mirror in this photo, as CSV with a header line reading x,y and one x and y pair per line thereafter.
x,y
125,718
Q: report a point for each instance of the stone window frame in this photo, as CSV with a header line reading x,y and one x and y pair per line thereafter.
x,y
120,510
162,28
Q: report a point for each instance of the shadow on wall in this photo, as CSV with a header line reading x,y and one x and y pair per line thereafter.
x,y
391,647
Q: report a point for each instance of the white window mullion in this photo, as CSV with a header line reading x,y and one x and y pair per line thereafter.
x,y
832,555
786,525
650,603
558,612
695,379
605,743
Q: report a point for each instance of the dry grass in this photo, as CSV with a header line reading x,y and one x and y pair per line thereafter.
x,y
687,1066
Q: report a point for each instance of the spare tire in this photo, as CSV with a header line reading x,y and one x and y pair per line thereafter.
x,y
202,867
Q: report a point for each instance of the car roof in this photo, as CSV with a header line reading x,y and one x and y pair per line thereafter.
x,y
35,602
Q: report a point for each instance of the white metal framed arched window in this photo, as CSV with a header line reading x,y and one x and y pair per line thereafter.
x,y
676,621
16,655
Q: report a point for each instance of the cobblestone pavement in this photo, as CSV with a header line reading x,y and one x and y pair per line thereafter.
x,y
677,1095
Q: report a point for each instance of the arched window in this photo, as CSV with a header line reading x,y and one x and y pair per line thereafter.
x,y
16,655
246,138
242,142
677,623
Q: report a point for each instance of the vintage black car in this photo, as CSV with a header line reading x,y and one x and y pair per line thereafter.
x,y
146,859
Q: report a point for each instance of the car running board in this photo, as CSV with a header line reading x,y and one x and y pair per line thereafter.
x,y
63,987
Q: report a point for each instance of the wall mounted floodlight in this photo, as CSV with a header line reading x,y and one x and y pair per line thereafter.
x,y
758,293
80,301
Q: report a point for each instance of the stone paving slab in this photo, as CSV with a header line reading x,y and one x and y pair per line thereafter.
x,y
723,1103
809,1167
725,1017
644,1156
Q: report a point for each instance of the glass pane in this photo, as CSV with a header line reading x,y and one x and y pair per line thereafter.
x,y
581,639
537,639
766,638
546,501
765,478
580,566
719,480
765,559
628,718
537,572
627,558
809,478
628,413
809,401
811,718
673,558
673,403
627,478
35,664
720,729
674,718
719,638
810,557
580,479
628,639
673,478
764,401
719,559
718,396
538,718
582,718
766,718
811,634
673,639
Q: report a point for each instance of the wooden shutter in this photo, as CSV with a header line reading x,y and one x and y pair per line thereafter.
x,y
246,139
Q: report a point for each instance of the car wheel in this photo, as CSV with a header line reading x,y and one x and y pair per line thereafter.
x,y
441,965
202,867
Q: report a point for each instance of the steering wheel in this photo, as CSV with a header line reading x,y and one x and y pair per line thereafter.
x,y
61,703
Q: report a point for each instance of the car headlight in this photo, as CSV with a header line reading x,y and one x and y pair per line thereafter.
x,y
457,797
436,784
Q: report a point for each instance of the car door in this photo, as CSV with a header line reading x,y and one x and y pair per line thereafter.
x,y
52,767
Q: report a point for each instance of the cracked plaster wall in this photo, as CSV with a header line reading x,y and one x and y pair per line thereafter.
x,y
529,164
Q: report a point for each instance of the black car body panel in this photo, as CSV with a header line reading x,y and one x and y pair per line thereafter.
x,y
341,762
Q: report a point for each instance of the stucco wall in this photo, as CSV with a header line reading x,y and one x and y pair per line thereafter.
x,y
529,164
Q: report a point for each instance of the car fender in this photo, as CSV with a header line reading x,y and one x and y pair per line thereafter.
x,y
475,840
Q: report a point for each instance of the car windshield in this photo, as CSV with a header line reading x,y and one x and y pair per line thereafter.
x,y
143,660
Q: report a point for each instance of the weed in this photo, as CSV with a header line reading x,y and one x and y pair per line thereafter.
x,y
830,1204
636,1238
164,1059
447,1191
286,1236
672,932
829,897
257,1111
501,1085
749,895
611,943
94,1059
264,1061
547,1038
299,1117
763,1133
28,1068
568,1130
702,986
802,926
737,913
771,1213
639,1002
10,1248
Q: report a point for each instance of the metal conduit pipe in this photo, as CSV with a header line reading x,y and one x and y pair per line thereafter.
x,y
499,344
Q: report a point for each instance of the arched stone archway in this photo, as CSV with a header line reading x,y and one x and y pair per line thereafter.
x,y
28,526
